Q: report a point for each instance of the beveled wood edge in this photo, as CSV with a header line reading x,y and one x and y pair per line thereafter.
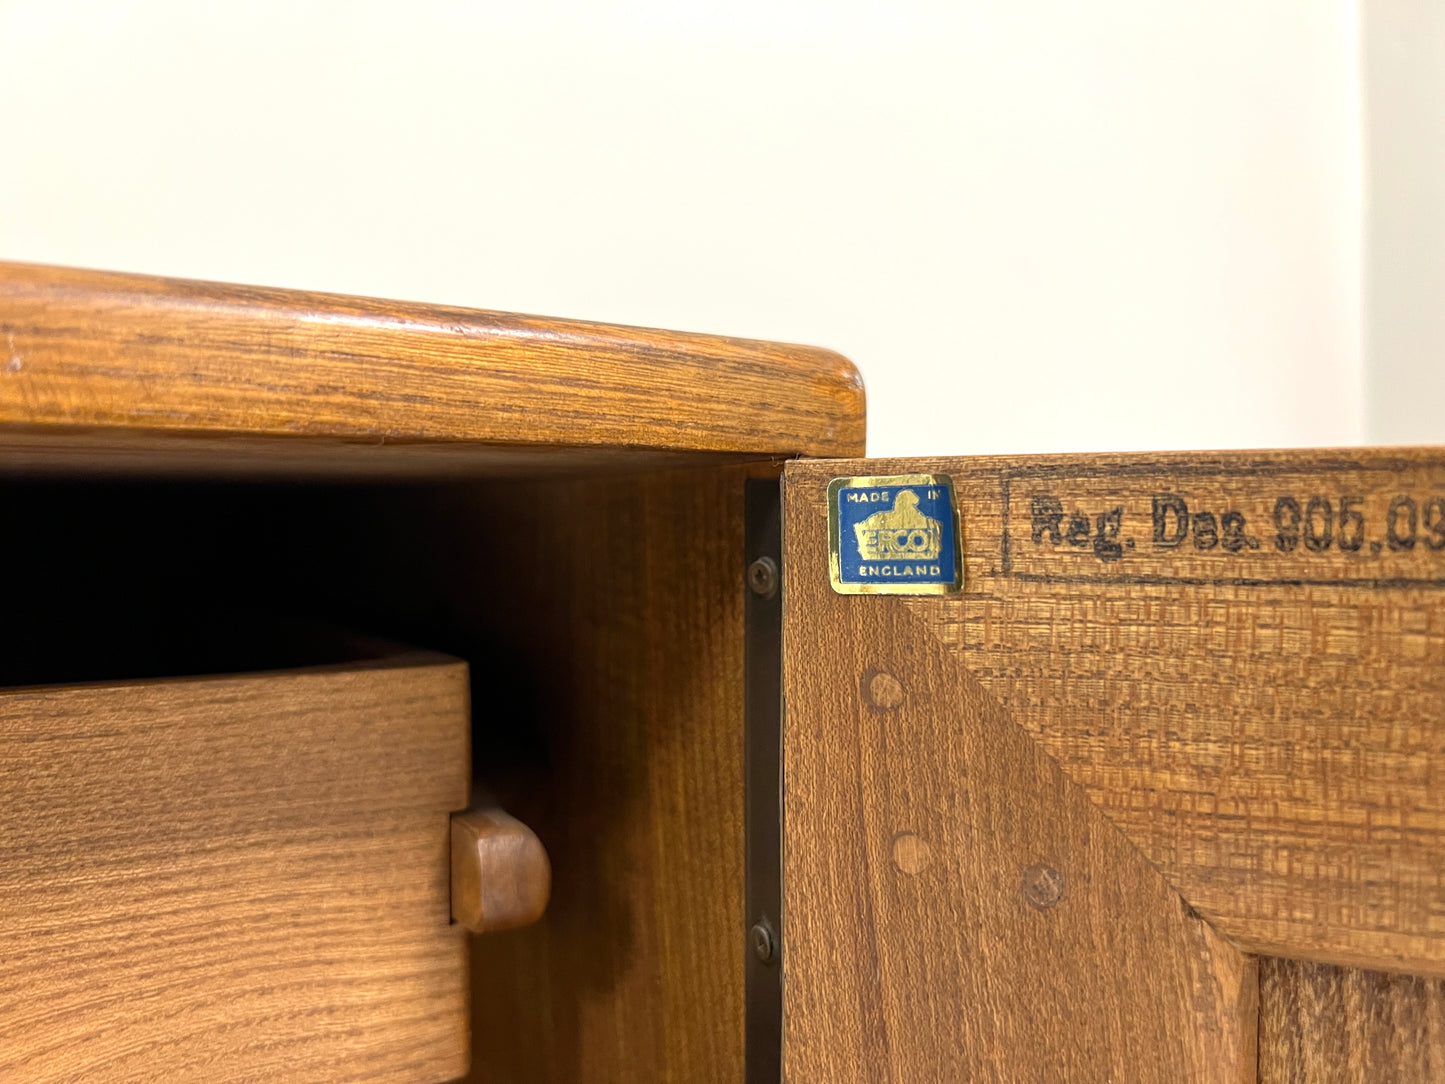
x,y
110,351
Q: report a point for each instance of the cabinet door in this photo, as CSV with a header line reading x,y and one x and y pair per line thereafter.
x,y
234,878
1147,784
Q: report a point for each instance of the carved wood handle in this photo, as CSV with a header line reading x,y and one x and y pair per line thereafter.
x,y
501,875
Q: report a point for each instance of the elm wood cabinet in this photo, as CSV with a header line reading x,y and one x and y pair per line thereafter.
x,y
558,505
1155,796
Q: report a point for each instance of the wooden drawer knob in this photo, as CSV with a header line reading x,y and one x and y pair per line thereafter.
x,y
501,876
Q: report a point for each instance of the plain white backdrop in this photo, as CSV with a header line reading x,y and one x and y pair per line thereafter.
x,y
1034,226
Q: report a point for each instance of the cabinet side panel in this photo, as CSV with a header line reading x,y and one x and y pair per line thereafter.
x,y
608,662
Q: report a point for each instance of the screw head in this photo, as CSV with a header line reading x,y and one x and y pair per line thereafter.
x,y
762,939
763,577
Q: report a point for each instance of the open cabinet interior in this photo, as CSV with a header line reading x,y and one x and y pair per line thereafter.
x,y
600,622
254,485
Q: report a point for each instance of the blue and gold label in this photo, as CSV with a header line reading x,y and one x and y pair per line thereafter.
x,y
894,535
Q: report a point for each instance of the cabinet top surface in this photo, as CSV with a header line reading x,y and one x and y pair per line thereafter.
x,y
101,360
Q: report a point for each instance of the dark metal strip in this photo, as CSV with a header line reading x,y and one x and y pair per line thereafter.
x,y
763,677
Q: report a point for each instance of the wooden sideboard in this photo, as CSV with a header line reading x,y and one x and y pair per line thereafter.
x,y
1153,792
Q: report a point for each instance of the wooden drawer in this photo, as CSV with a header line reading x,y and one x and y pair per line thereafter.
x,y
234,877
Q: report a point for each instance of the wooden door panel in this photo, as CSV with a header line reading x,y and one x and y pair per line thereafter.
x,y
1267,724
1238,658
1321,1024
954,906
234,878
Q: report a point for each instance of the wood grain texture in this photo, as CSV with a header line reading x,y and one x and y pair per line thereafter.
x,y
1320,1024
87,353
1256,702
631,620
233,878
501,876
955,908
601,619
607,663
51,453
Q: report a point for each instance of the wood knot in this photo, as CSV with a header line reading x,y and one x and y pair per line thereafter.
x,y
882,690
1043,886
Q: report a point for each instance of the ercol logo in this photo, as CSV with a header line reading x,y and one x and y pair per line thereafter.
x,y
901,533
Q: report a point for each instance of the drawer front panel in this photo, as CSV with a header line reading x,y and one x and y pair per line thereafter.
x,y
234,878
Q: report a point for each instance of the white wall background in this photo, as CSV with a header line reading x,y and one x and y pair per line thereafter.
x,y
1034,226
1404,93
